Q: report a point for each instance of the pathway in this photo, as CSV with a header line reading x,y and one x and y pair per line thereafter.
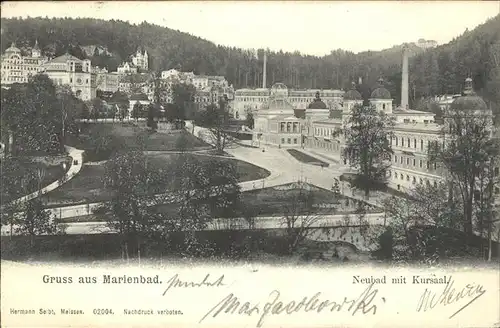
x,y
76,155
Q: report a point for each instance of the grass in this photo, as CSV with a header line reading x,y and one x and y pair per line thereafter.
x,y
88,187
273,200
53,171
304,158
386,189
127,136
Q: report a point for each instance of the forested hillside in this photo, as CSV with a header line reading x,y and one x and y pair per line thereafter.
x,y
435,71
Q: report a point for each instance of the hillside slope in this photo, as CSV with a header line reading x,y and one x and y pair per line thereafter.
x,y
435,71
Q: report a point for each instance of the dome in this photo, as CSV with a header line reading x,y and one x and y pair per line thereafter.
x,y
380,92
317,103
353,94
277,104
469,101
279,90
12,49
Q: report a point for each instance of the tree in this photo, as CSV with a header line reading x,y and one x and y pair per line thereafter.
x,y
465,153
137,111
368,147
299,215
27,107
249,121
97,108
153,112
183,99
216,120
121,100
35,220
127,213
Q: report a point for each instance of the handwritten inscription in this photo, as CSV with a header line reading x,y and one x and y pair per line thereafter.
x,y
430,299
365,303
175,282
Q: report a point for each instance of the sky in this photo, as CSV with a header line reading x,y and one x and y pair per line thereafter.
x,y
313,28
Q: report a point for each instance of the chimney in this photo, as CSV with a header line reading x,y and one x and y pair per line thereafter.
x,y
404,79
264,73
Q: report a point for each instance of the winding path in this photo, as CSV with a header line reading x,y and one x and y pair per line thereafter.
x,y
76,166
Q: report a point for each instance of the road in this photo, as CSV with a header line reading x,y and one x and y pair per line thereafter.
x,y
76,166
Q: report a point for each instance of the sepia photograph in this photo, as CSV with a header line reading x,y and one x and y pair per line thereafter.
x,y
218,149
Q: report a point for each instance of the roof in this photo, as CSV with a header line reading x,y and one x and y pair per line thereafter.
x,y
12,48
317,103
277,103
353,94
469,102
380,92
64,58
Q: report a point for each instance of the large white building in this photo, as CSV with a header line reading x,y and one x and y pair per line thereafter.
x,y
74,72
246,100
141,59
16,68
413,133
106,81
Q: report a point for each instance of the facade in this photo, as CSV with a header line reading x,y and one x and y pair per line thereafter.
x,y
426,44
16,68
275,122
252,99
74,72
203,81
141,59
127,68
106,81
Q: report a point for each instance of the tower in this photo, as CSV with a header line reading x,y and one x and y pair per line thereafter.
x,y
404,79
35,52
264,72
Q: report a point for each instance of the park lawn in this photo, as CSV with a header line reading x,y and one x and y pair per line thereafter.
x,y
273,200
53,172
304,158
127,136
88,187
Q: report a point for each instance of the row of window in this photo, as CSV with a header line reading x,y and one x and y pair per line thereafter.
x,y
408,178
410,143
289,141
333,146
324,132
413,162
289,127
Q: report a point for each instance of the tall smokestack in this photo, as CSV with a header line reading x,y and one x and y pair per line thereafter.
x,y
404,79
264,74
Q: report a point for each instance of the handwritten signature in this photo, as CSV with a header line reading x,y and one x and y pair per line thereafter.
x,y
176,282
274,306
429,299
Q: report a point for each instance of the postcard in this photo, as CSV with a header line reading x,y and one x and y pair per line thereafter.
x,y
250,164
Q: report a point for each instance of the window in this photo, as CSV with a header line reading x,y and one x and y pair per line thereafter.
x,y
421,144
435,166
395,175
409,143
383,106
414,180
421,181
282,140
421,164
414,143
428,165
295,140
407,177
407,161
395,158
289,141
402,142
414,162
401,160
396,141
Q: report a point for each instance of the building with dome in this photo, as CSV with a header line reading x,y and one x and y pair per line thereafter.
x,y
249,100
74,72
16,68
275,121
